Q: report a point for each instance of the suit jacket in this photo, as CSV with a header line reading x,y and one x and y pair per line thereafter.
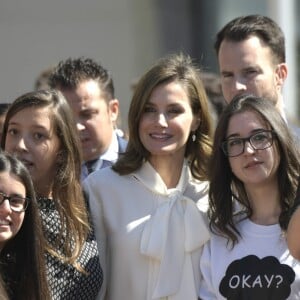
x,y
99,164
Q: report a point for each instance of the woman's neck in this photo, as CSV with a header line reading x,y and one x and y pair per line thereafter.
x,y
43,192
169,170
265,204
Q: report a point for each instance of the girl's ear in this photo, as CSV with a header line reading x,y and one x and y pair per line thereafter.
x,y
196,123
60,157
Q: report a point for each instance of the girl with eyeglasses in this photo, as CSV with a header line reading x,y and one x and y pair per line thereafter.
x,y
21,241
253,176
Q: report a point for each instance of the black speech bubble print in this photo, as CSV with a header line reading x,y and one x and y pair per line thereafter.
x,y
254,278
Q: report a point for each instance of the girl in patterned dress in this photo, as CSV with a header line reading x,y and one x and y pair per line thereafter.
x,y
40,130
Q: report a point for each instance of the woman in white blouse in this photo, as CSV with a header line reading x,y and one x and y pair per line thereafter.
x,y
149,208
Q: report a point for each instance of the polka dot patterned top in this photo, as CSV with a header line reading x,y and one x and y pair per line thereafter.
x,y
65,281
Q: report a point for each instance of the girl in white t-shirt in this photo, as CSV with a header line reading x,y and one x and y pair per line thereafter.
x,y
253,181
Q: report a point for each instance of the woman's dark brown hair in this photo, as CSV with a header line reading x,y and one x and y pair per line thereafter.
x,y
22,261
226,190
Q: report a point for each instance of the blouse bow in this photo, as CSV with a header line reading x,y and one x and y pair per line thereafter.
x,y
172,233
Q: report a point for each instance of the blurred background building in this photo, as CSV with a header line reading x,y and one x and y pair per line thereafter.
x,y
127,36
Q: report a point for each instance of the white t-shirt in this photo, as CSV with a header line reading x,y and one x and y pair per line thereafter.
x,y
259,266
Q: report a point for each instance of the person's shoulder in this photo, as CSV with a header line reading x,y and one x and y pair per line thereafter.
x,y
101,176
295,130
199,186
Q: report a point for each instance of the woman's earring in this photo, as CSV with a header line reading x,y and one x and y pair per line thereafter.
x,y
193,137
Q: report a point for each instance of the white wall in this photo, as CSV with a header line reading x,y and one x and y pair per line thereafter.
x,y
126,36
35,34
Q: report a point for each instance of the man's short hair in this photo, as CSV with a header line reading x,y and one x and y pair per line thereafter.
x,y
73,71
241,28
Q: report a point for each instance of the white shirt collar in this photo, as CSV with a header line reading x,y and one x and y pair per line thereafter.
x,y
111,153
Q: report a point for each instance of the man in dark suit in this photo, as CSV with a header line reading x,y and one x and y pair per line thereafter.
x,y
89,89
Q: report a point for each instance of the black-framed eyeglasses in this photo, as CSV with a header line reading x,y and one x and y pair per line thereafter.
x,y
16,203
259,141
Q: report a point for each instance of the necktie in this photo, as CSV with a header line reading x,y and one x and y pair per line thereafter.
x,y
92,165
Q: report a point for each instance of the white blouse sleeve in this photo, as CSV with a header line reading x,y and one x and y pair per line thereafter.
x,y
206,291
96,210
